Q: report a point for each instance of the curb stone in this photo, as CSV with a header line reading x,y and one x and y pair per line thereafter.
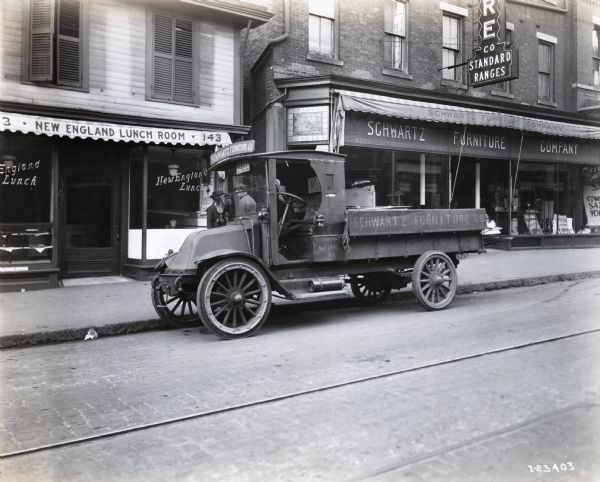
x,y
123,328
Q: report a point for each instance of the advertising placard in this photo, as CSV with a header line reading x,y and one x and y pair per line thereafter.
x,y
493,61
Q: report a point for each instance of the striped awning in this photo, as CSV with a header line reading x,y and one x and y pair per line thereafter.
x,y
52,126
431,112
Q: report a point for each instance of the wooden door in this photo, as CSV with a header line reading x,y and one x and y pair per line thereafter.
x,y
89,203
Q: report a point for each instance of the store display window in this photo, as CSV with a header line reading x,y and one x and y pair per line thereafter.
x,y
26,231
549,199
395,177
169,191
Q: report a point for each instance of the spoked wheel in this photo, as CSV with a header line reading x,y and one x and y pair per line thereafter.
x,y
179,311
234,298
369,292
434,280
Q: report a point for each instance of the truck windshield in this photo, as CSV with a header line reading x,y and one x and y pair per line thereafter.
x,y
245,186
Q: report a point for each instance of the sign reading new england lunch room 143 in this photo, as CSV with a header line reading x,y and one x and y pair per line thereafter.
x,y
493,61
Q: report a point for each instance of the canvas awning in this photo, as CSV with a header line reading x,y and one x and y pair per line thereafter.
x,y
51,126
431,112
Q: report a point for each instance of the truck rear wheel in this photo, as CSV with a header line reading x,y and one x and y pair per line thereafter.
x,y
434,280
234,298
369,290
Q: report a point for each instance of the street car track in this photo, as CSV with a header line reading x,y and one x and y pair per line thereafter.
x,y
287,396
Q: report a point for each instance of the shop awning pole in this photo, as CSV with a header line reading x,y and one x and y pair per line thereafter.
x,y
518,160
462,143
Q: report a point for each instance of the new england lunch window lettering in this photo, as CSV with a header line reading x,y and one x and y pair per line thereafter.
x,y
321,27
395,45
55,42
172,59
25,190
451,40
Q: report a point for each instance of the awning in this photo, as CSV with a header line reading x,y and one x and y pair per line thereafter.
x,y
427,111
51,126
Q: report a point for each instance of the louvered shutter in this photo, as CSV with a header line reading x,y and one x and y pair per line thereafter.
x,y
183,76
68,56
41,58
162,75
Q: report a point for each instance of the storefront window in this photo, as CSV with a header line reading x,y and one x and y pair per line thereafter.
x,y
549,198
396,177
175,181
436,181
407,179
25,198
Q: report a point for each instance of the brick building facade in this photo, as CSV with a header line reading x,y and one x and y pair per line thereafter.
x,y
386,83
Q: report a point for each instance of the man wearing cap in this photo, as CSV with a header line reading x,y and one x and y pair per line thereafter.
x,y
215,214
246,204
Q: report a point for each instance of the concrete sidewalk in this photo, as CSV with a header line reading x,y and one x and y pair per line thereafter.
x,y
114,308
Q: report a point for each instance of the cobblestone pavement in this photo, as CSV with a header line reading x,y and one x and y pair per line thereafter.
x,y
489,416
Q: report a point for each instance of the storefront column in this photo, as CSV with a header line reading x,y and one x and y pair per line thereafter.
x,y
477,185
422,182
275,131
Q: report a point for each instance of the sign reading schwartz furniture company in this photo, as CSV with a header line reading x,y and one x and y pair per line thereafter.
x,y
51,126
492,62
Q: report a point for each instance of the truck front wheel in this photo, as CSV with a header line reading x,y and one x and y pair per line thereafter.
x,y
434,280
234,298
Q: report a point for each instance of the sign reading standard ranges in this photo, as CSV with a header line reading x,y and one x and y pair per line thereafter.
x,y
492,62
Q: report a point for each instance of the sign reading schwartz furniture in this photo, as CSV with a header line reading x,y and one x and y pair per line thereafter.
x,y
51,126
493,61
364,130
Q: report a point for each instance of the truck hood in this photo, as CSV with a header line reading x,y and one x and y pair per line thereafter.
x,y
198,244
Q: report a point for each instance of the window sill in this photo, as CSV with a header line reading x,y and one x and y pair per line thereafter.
x,y
397,73
454,83
593,88
547,103
502,93
49,85
167,101
324,59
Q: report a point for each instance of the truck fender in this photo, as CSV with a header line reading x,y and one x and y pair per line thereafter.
x,y
219,254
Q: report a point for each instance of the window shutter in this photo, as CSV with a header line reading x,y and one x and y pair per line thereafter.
x,y
183,77
68,61
162,75
41,58
388,15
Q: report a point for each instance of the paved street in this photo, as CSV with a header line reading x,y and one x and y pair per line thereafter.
x,y
387,393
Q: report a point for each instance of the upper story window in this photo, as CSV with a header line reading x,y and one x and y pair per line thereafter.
x,y
321,26
545,71
596,55
452,46
171,76
395,44
56,37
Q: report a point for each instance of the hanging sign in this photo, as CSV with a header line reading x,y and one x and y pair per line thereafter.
x,y
244,147
492,62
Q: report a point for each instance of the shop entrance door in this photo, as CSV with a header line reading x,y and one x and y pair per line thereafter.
x,y
89,203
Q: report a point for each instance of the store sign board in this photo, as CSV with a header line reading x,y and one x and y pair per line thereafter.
x,y
492,61
405,134
244,147
109,132
555,148
591,195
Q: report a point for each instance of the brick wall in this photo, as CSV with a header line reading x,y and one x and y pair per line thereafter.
x,y
361,48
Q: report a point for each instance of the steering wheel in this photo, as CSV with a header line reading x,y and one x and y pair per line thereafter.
x,y
289,200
